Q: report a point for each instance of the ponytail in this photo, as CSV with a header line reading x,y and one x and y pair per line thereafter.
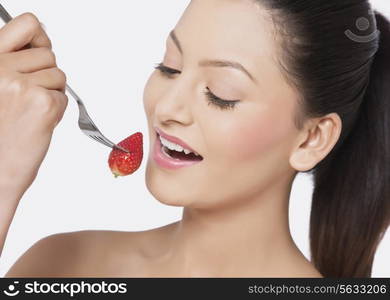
x,y
351,198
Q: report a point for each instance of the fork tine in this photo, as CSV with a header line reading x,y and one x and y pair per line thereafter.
x,y
100,140
87,125
93,137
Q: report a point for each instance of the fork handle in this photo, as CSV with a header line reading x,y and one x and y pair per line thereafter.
x,y
4,14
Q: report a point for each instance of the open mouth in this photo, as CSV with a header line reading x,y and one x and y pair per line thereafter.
x,y
181,155
178,155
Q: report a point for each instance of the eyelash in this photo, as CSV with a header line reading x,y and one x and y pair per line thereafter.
x,y
212,99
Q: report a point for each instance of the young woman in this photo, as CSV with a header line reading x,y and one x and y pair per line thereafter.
x,y
261,90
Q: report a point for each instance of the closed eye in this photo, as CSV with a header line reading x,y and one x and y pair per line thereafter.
x,y
212,98
166,70
221,103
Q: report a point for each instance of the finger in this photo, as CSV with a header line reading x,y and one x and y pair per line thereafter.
x,y
51,79
22,30
30,60
62,101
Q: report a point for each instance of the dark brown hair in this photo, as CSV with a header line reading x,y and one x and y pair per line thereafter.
x,y
337,54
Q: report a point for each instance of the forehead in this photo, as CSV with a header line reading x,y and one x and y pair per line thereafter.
x,y
238,29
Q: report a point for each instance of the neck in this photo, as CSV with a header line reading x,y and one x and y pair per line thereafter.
x,y
249,235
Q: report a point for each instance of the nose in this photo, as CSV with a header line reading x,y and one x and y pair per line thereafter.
x,y
174,105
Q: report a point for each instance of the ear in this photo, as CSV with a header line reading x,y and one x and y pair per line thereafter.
x,y
315,141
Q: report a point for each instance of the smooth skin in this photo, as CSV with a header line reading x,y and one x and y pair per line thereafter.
x,y
32,102
235,217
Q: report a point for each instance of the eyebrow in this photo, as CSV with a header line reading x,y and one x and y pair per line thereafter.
x,y
214,63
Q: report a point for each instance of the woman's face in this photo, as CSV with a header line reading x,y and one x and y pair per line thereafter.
x,y
228,48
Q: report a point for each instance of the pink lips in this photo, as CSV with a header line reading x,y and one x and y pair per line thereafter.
x,y
168,162
174,139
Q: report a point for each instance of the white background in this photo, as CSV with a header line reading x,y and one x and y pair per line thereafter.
x,y
108,49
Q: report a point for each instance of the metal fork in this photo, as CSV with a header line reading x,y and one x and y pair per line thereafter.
x,y
85,122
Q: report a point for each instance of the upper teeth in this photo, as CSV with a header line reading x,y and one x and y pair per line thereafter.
x,y
176,147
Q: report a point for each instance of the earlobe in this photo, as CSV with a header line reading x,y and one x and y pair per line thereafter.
x,y
315,142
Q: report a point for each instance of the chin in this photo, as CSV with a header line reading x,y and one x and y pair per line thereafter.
x,y
169,201
168,198
171,195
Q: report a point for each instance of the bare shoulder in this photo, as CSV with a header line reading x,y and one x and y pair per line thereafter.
x,y
86,253
293,264
301,268
60,255
307,273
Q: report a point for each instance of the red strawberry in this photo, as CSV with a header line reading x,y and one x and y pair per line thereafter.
x,y
122,163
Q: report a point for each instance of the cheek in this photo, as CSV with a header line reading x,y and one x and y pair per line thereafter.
x,y
258,132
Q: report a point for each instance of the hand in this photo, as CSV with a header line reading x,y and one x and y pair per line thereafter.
x,y
32,100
